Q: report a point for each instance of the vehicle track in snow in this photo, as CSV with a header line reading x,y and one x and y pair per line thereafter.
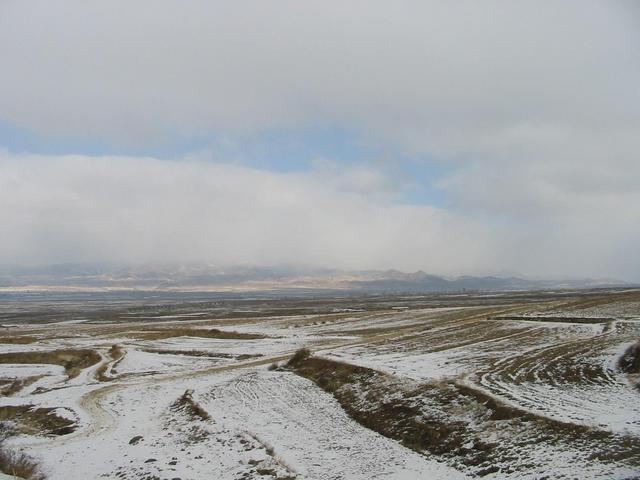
x,y
311,432
569,380
102,419
537,368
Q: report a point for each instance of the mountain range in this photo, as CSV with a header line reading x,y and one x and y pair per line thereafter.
x,y
203,277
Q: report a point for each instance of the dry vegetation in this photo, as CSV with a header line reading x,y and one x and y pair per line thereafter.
x,y
512,385
29,419
555,319
19,465
299,357
18,340
73,361
164,333
448,418
9,387
201,353
115,353
188,405
630,361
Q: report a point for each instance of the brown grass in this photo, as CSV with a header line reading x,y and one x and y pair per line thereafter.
x,y
11,387
188,405
73,361
19,340
201,353
299,357
33,420
554,319
20,465
161,334
629,362
442,418
399,418
116,353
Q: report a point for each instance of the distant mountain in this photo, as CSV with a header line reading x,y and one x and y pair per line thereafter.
x,y
204,277
422,282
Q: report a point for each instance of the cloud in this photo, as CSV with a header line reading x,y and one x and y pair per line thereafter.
x,y
74,208
530,110
427,76
369,178
78,208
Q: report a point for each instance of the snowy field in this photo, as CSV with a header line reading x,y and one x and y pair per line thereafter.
x,y
197,391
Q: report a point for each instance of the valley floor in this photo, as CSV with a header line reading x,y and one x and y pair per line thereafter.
x,y
403,387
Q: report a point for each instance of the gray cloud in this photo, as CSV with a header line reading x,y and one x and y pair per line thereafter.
x,y
425,75
75,208
134,209
533,108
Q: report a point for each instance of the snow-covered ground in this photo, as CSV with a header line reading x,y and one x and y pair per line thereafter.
x,y
263,419
278,425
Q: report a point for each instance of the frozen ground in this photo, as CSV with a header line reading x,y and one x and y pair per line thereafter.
x,y
243,420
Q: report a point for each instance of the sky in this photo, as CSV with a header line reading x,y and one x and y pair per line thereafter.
x,y
464,137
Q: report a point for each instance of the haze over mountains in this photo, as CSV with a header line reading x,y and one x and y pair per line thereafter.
x,y
202,277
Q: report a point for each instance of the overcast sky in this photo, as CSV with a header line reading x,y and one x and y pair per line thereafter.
x,y
457,137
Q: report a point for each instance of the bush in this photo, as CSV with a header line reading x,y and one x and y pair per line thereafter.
x,y
19,465
629,362
186,403
299,357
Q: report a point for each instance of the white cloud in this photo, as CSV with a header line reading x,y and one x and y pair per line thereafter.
x,y
57,209
75,208
533,106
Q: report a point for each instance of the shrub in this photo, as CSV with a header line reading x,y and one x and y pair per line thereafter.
x,y
629,362
19,465
299,357
187,404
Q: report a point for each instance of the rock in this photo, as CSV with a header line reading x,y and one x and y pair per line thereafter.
x,y
136,439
